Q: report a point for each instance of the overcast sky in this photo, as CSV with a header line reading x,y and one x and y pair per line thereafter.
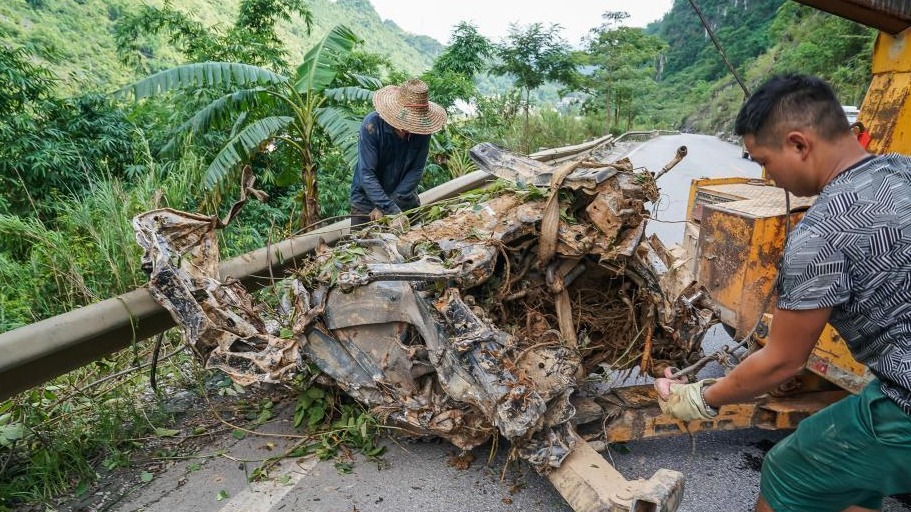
x,y
436,18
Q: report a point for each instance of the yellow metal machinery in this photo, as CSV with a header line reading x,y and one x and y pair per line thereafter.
x,y
735,227
735,232
887,106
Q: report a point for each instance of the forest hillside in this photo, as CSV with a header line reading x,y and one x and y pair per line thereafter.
x,y
760,38
75,38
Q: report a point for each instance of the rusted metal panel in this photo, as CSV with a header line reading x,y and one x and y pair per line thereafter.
x,y
888,100
831,360
722,263
740,241
890,16
634,414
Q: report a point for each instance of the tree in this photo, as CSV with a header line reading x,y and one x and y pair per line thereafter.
x,y
269,111
22,81
624,60
467,53
48,144
452,76
532,56
252,39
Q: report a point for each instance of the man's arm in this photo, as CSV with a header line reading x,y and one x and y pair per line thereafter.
x,y
368,159
791,339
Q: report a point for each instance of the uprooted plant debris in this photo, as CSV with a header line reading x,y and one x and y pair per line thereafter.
x,y
487,317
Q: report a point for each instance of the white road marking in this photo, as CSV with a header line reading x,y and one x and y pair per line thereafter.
x,y
637,148
262,496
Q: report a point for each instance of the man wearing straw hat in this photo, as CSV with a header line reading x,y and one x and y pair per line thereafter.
x,y
392,151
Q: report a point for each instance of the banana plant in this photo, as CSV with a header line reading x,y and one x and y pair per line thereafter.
x,y
301,104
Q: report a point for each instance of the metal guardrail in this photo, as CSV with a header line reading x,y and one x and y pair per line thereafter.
x,y
38,352
560,155
644,135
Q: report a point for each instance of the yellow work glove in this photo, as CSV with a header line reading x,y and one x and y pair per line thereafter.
x,y
684,401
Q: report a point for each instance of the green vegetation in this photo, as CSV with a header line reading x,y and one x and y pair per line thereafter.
x,y
280,85
532,56
742,28
624,60
55,27
695,92
266,109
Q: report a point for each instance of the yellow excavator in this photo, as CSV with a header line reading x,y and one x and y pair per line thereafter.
x,y
735,234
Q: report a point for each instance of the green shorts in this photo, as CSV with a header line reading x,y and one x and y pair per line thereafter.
x,y
853,452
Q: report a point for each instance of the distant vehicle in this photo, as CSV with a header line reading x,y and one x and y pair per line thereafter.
x,y
851,112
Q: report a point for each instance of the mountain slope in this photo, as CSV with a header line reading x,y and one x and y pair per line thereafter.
x,y
75,36
760,38
742,27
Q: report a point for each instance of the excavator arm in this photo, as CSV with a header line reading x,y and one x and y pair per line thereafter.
x,y
890,16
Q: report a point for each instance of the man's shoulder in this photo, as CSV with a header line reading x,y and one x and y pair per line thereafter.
x,y
872,180
373,124
889,162
896,160
874,168
859,204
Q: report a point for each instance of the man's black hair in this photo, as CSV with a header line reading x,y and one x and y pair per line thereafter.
x,y
788,102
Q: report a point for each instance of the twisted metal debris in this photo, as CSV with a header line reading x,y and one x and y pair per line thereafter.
x,y
488,317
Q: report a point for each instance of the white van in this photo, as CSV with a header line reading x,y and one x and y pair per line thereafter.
x,y
851,112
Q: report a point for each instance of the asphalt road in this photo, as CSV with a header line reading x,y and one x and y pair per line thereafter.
x,y
721,469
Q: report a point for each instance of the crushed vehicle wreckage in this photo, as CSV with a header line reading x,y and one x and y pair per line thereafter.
x,y
497,314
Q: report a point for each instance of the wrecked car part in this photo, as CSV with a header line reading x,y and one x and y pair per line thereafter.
x,y
681,153
219,319
427,268
589,485
487,320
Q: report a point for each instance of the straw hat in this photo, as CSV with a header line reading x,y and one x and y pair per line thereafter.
x,y
406,107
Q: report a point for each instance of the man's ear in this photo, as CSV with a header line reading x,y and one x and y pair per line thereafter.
x,y
799,141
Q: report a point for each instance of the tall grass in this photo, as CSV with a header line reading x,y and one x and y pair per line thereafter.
x,y
87,254
548,128
55,437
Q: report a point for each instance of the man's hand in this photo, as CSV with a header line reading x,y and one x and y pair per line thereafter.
x,y
376,214
681,400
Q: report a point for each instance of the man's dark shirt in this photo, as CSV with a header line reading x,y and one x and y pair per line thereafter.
x,y
852,252
389,168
